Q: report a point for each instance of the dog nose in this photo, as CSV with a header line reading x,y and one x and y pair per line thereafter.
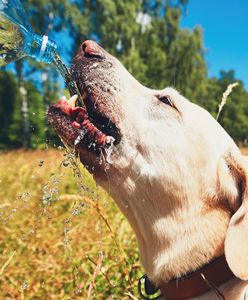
x,y
91,49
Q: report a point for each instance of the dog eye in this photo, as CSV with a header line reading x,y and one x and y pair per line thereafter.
x,y
166,100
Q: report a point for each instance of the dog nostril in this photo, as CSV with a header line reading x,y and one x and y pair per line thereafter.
x,y
86,49
83,47
91,49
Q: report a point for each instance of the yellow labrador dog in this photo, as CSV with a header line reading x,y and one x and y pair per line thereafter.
x,y
174,172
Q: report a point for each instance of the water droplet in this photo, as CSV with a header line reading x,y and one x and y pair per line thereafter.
x,y
109,149
27,195
41,163
55,180
66,230
66,163
78,291
66,241
76,212
80,137
107,166
24,285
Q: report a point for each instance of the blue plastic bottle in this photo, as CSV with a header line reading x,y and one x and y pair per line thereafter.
x,y
17,38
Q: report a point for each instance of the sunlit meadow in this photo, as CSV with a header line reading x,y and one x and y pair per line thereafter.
x,y
61,236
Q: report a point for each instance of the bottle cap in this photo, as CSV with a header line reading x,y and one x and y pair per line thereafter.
x,y
43,47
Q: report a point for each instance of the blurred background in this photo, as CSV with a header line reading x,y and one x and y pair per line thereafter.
x,y
197,47
61,236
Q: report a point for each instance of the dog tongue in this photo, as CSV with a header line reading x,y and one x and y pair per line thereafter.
x,y
76,113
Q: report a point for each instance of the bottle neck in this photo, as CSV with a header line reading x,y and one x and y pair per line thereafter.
x,y
39,47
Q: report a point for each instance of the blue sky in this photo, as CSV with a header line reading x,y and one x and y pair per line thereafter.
x,y
225,30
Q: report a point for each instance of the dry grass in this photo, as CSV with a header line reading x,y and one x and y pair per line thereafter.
x,y
56,243
244,151
225,95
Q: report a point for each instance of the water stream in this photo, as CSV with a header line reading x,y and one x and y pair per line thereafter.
x,y
65,73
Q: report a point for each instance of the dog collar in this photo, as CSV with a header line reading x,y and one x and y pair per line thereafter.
x,y
197,283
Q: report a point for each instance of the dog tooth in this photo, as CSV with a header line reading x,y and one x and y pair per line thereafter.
x,y
72,100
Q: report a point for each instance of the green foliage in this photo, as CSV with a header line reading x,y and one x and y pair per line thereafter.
x,y
11,132
147,38
234,117
8,99
36,116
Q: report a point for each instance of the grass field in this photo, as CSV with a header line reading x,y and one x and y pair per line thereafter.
x,y
61,236
55,235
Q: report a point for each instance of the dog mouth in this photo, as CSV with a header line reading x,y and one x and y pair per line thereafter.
x,y
93,124
83,126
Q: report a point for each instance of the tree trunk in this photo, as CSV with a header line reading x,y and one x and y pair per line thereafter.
x,y
25,109
45,88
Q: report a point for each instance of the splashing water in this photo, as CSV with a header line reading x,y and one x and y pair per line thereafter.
x,y
68,216
24,285
109,150
66,230
71,160
80,137
71,84
50,191
76,212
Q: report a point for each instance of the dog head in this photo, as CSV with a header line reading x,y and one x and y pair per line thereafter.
x,y
172,169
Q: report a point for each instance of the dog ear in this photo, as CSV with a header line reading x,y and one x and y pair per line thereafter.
x,y
236,242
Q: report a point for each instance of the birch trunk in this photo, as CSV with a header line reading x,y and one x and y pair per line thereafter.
x,y
25,108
